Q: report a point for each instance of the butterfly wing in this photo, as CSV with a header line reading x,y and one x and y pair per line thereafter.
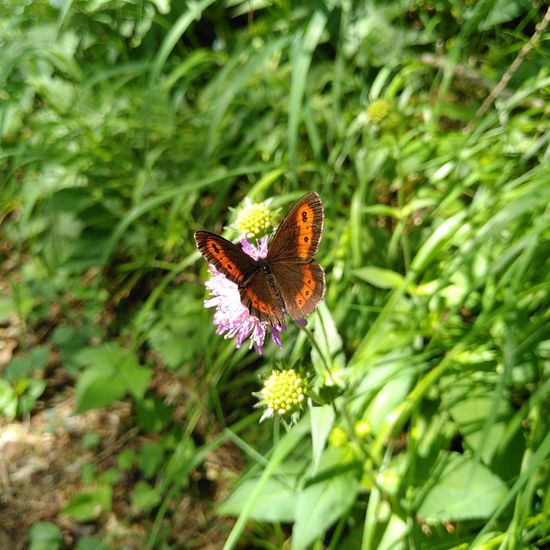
x,y
300,279
302,286
263,299
257,288
227,257
299,234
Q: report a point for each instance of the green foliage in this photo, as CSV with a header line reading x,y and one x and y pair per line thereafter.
x,y
45,535
126,126
87,505
110,372
19,391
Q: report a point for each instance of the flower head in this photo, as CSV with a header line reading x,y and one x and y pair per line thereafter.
x,y
231,317
254,219
283,393
378,110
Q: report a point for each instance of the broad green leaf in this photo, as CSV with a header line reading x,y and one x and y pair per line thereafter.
x,y
388,398
45,535
470,404
111,372
284,447
150,458
464,489
275,503
24,365
144,497
88,505
394,535
320,505
98,387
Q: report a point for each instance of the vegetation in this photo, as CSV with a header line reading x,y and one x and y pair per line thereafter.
x,y
127,422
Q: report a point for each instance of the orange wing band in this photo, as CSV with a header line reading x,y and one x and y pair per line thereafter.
x,y
260,305
306,291
226,263
304,221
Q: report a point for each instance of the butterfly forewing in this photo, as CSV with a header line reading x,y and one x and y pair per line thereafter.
x,y
299,234
228,258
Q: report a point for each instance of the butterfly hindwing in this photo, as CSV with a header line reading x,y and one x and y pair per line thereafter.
x,y
299,234
262,296
302,288
227,257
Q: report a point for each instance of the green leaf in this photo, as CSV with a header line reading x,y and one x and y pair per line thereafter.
x,y
24,365
126,459
111,372
322,420
152,414
320,505
45,535
470,405
284,447
394,535
144,497
388,398
379,277
8,400
97,387
7,308
88,505
464,489
72,340
276,501
327,356
150,458
28,399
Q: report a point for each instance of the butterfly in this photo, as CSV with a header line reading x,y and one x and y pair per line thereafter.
x,y
288,280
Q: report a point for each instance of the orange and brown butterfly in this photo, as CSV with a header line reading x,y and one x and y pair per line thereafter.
x,y
288,280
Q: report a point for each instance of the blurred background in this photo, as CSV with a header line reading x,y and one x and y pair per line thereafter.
x,y
126,422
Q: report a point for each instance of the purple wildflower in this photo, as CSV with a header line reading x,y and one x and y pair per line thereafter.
x,y
231,317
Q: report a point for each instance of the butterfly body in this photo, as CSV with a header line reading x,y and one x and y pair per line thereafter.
x,y
288,280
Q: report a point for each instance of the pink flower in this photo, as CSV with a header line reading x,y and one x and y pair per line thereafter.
x,y
232,318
